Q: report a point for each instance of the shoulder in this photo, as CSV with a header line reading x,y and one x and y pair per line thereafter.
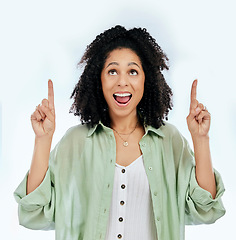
x,y
174,141
170,130
74,136
77,131
70,146
172,135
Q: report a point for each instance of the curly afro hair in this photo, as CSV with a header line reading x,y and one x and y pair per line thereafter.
x,y
89,102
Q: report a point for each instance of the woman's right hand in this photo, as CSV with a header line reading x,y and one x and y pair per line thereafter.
x,y
43,118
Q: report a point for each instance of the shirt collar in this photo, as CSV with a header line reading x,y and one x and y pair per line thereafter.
x,y
158,131
109,130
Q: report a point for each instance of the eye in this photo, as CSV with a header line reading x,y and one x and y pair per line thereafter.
x,y
133,72
112,72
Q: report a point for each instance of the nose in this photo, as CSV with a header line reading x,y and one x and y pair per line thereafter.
x,y
123,80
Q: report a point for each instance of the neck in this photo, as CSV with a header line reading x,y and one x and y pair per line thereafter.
x,y
124,124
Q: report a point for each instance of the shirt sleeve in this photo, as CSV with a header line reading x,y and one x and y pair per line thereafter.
x,y
200,206
36,210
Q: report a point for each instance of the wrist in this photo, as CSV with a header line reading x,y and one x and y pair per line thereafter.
x,y
44,139
201,139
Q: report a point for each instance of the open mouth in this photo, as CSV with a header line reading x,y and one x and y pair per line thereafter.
x,y
122,99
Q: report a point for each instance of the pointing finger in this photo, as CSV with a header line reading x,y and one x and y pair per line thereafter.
x,y
194,102
50,94
194,90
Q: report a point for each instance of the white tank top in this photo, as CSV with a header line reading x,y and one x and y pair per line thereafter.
x,y
131,213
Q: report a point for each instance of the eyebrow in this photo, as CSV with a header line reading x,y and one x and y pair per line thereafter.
x,y
115,63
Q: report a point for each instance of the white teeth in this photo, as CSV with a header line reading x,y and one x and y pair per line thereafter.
x,y
122,94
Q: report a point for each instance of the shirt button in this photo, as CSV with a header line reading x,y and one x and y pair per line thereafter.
x,y
122,202
123,170
150,168
123,186
155,193
119,236
143,144
121,219
158,219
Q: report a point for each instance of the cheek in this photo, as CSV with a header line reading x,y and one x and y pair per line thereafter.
x,y
105,89
141,89
140,85
143,81
103,83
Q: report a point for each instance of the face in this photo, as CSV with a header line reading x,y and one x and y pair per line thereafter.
x,y
122,79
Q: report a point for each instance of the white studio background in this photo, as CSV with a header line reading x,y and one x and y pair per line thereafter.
x,y
45,39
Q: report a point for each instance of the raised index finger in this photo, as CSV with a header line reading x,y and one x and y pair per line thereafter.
x,y
50,94
194,91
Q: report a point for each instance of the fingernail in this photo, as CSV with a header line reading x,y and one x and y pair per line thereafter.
x,y
197,109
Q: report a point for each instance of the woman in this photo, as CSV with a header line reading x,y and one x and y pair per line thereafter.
x,y
124,173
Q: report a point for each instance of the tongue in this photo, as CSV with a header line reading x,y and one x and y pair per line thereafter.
x,y
122,99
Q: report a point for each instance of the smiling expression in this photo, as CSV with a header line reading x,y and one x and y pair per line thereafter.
x,y
122,79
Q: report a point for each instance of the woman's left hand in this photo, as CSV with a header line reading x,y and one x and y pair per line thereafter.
x,y
199,118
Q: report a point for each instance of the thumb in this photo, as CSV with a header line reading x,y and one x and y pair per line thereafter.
x,y
49,114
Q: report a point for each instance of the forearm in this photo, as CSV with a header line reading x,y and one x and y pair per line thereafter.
x,y
39,164
204,170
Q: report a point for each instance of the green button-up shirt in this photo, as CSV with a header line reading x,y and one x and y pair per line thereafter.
x,y
75,195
